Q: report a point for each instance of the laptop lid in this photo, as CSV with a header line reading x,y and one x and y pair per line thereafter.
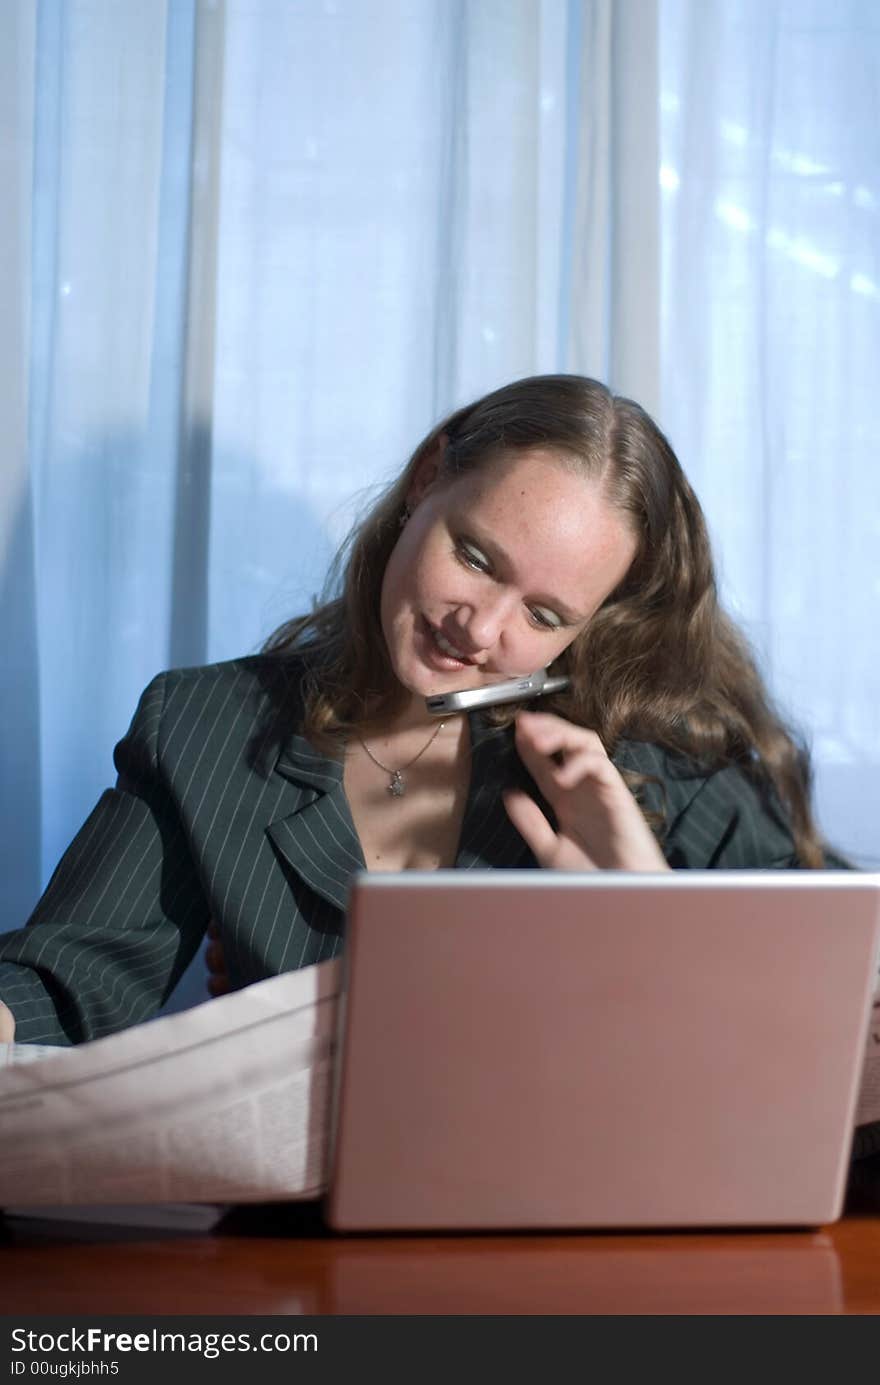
x,y
526,1049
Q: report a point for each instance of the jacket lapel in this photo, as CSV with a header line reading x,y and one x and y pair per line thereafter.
x,y
488,838
315,834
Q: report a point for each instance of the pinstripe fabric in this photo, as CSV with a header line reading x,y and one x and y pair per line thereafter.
x,y
221,809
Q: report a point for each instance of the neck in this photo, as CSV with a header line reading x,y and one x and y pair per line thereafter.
x,y
413,717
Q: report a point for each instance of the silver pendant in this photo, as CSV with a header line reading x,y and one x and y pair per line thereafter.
x,y
396,785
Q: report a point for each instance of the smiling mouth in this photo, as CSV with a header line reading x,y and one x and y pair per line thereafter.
x,y
443,645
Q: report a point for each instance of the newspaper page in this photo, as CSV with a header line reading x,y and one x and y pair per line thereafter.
x,y
28,1053
226,1102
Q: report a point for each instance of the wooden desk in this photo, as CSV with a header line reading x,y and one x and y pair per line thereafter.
x,y
78,1270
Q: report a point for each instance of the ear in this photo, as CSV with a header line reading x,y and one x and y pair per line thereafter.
x,y
427,471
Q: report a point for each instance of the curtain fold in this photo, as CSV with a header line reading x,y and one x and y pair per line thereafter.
x,y
101,462
771,348
258,251
20,747
612,306
189,597
251,253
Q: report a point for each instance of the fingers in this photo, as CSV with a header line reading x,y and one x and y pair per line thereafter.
x,y
559,755
587,765
598,823
531,825
551,850
548,735
7,1024
218,980
215,961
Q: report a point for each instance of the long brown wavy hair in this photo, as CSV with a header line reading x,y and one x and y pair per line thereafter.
x,y
660,660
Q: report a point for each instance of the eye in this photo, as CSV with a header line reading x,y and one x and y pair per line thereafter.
x,y
472,557
545,620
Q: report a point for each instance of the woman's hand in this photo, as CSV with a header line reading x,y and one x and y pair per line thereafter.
x,y
215,960
7,1024
600,825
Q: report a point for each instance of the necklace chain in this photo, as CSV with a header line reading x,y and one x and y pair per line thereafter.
x,y
396,781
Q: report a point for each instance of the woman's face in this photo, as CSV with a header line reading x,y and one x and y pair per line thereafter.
x,y
497,571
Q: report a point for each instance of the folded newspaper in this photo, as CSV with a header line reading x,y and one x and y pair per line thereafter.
x,y
229,1102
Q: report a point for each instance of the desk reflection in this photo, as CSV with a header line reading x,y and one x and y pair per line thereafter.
x,y
797,1273
53,1269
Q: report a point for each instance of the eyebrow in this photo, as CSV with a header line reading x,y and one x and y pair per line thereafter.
x,y
500,557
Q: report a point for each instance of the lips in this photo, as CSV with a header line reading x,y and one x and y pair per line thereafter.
x,y
445,647
443,650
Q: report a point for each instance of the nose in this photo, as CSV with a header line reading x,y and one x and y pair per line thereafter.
x,y
480,625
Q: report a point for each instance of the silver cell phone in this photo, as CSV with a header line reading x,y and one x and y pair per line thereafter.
x,y
511,690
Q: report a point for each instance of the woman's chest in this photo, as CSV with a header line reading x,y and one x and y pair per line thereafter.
x,y
418,829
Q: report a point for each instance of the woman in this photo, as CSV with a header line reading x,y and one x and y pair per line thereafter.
x,y
548,524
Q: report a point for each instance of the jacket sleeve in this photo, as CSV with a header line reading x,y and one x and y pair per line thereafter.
x,y
123,913
723,822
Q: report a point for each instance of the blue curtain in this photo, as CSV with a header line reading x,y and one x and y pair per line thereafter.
x,y
249,254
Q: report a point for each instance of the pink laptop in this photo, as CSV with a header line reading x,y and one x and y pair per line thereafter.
x,y
540,1050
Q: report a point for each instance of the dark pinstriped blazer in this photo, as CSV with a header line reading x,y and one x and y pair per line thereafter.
x,y
223,810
